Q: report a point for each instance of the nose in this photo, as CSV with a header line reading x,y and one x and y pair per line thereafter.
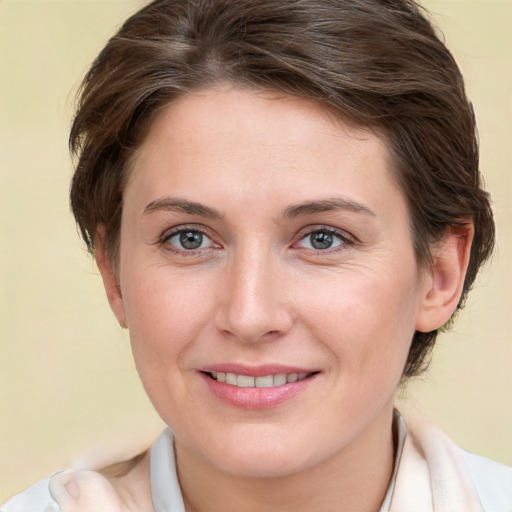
x,y
252,306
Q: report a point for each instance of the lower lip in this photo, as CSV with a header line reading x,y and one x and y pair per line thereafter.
x,y
256,398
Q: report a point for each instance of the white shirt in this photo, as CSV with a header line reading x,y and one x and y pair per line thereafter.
x,y
431,474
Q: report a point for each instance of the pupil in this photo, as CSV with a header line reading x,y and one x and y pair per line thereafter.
x,y
321,240
191,239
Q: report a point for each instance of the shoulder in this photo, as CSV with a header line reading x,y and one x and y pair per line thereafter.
x,y
36,498
493,481
67,491
435,471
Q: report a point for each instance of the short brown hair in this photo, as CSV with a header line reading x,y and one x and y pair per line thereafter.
x,y
376,63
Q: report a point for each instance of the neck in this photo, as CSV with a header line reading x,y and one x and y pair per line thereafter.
x,y
354,479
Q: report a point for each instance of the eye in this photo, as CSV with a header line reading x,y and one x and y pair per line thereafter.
x,y
188,240
321,240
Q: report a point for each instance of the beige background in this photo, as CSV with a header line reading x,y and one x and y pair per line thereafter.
x,y
68,387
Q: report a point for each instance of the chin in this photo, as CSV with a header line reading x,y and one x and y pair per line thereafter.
x,y
265,455
263,466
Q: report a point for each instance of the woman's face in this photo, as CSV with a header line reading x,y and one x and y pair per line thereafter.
x,y
266,244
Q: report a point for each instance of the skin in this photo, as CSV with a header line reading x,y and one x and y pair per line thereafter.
x,y
257,292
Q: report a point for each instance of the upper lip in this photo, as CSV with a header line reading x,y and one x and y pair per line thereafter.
x,y
255,371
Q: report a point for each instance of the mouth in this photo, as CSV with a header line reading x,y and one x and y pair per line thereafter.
x,y
259,388
251,381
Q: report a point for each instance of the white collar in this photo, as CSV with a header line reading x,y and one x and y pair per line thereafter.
x,y
166,491
165,488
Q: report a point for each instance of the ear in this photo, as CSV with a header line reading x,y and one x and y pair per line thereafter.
x,y
443,283
110,281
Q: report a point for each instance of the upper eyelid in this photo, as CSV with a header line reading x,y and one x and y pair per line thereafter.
x,y
347,243
164,241
300,234
170,232
164,238
308,230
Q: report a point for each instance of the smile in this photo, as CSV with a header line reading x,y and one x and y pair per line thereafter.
x,y
249,381
257,388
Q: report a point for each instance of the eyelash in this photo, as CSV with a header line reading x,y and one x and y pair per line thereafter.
x,y
344,238
164,240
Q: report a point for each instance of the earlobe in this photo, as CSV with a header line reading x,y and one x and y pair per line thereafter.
x,y
444,282
110,281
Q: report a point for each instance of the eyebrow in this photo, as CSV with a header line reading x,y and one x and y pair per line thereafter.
x,y
175,204
326,205
307,208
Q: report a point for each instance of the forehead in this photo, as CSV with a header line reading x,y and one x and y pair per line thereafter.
x,y
257,142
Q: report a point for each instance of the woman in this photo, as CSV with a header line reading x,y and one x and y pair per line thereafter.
x,y
284,203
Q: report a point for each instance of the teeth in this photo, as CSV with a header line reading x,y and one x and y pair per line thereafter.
x,y
248,381
279,379
232,379
244,381
264,382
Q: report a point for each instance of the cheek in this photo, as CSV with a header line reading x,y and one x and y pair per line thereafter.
x,y
366,318
165,318
165,314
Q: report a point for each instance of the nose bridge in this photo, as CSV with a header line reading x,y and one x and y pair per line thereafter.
x,y
253,306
